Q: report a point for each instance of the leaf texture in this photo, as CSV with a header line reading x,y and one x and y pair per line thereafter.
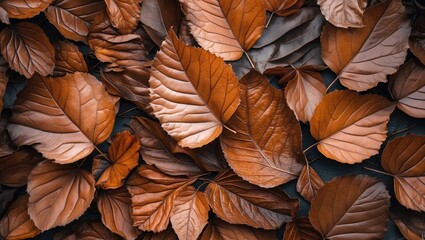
x,y
193,92
22,9
283,7
301,229
343,13
266,148
220,230
350,128
417,38
363,57
123,14
68,59
80,113
309,183
86,230
351,207
58,194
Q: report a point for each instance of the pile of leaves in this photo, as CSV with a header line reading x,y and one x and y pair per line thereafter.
x,y
167,119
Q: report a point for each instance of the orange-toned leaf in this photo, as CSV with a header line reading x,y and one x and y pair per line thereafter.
x,y
27,49
266,148
220,230
343,13
283,7
308,183
350,128
123,14
301,229
404,157
237,23
68,59
22,9
193,92
417,38
59,194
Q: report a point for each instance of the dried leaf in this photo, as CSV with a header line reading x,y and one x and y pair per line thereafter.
x,y
153,195
6,196
190,213
22,9
123,157
417,38
167,234
408,88
238,24
27,49
309,183
220,230
363,57
266,148
351,207
410,223
115,208
86,231
80,113
58,194
343,13
301,229
74,17
404,157
349,127
283,7
68,59
185,35
4,79
123,14
239,202
4,16
193,92
16,223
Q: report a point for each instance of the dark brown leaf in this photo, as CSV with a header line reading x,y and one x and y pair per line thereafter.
x,y
22,9
283,7
308,183
6,196
417,38
220,230
167,234
86,231
4,79
301,229
410,223
123,14
68,59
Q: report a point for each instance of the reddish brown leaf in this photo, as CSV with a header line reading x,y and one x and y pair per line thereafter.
x,y
153,195
123,14
6,146
68,59
86,231
410,223
22,9
123,157
350,127
351,207
417,38
167,234
220,230
73,17
283,7
266,148
363,57
115,208
193,92
27,49
238,23
408,88
16,223
15,168
308,183
58,193
342,13
404,157
301,229
3,79
239,202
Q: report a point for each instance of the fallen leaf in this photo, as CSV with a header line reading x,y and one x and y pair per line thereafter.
x,y
283,7
4,16
193,92
239,202
220,230
350,127
238,24
123,14
351,207
309,183
266,148
363,57
404,157
417,38
27,49
22,9
343,13
167,234
410,223
64,102
86,230
301,229
68,59
58,194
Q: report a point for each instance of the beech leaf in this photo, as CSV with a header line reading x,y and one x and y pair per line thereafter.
x,y
301,229
417,38
68,59
123,14
343,13
309,183
22,9
283,7
220,230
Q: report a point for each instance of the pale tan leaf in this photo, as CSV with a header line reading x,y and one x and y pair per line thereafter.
x,y
343,13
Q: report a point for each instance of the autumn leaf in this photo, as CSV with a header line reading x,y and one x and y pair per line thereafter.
x,y
343,13
350,127
86,230
68,59
193,92
351,207
185,35
4,79
410,223
22,9
417,38
309,182
283,7
64,102
239,24
167,234
220,230
27,49
404,158
58,194
266,148
363,57
123,14
301,229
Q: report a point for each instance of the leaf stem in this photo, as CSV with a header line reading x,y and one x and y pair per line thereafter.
x,y
101,153
129,110
228,128
269,20
332,83
402,130
250,61
202,184
312,145
378,171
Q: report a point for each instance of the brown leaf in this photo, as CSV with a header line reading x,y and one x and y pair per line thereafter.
x,y
27,49
220,230
16,223
4,16
193,92
283,7
185,35
417,38
58,193
301,229
190,213
309,183
167,234
342,13
6,196
408,88
153,195
4,79
74,17
22,9
6,146
115,208
123,157
410,223
123,14
351,207
68,59
80,115
363,57
404,157
238,24
158,16
86,231
15,168
266,148
350,127
239,202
